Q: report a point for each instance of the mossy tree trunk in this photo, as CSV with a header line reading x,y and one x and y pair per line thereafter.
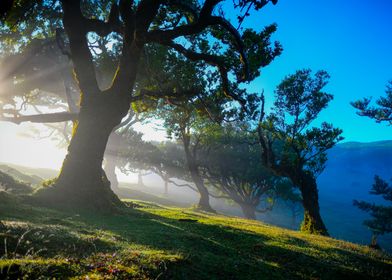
x,y
82,182
312,223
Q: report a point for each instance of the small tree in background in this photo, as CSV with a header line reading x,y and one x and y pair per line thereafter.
x,y
291,147
381,222
381,214
231,164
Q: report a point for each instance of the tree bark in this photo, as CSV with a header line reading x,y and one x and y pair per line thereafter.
x,y
249,211
312,222
82,183
204,201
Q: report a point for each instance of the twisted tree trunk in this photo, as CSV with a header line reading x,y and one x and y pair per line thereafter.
x,y
204,201
82,183
312,223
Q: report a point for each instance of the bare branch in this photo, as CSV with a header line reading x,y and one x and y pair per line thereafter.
x,y
42,118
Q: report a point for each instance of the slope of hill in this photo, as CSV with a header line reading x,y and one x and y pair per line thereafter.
x,y
44,173
20,176
149,241
348,175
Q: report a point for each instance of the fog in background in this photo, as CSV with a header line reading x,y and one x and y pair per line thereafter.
x,y
348,175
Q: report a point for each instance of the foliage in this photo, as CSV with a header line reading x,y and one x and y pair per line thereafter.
x,y
299,100
382,112
381,222
231,163
115,36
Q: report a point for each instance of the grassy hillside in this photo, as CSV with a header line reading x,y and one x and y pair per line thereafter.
x,y
14,172
38,173
149,241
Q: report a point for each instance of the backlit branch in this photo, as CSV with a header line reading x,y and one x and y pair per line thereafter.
x,y
213,60
42,118
74,25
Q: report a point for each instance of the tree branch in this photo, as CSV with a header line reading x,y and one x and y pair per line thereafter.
x,y
42,118
213,60
74,25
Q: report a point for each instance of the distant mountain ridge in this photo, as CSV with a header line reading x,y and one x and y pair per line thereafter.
x,y
349,175
21,176
38,173
355,144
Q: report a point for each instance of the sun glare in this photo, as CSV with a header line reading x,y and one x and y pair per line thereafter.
x,y
28,151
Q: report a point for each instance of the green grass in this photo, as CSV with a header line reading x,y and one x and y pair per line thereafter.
x,y
149,241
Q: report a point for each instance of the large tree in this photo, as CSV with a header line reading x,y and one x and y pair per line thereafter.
x,y
39,80
291,146
136,24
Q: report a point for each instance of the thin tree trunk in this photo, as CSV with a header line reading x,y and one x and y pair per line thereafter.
x,y
140,179
166,185
312,222
374,243
110,170
249,211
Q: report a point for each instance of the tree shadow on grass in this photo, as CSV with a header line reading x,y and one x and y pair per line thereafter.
x,y
24,240
208,251
224,252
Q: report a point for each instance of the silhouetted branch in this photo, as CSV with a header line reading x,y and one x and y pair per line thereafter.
x,y
42,118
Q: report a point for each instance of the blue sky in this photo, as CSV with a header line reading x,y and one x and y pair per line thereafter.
x,y
351,40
